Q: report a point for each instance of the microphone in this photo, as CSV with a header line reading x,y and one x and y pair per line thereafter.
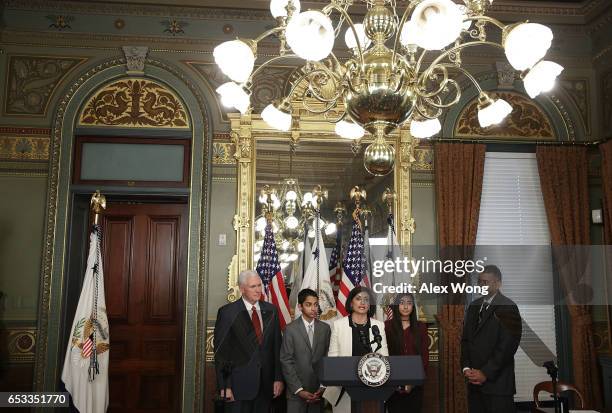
x,y
377,337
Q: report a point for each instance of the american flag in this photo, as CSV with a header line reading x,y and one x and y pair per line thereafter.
x,y
88,346
335,270
269,270
353,267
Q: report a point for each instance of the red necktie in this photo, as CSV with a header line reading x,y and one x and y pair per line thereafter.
x,y
256,324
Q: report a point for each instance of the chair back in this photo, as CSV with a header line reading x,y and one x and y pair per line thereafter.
x,y
547,386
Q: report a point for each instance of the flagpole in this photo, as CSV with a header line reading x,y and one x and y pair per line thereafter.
x,y
319,194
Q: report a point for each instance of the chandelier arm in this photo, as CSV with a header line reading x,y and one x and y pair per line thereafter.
x,y
410,7
332,6
466,73
455,49
423,78
336,120
487,19
422,110
267,62
268,33
446,105
420,61
331,75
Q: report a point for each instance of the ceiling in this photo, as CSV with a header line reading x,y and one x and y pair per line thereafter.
x,y
264,4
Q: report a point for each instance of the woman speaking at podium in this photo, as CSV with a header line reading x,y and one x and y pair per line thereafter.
x,y
355,335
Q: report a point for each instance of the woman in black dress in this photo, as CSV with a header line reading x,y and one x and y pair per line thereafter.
x,y
406,336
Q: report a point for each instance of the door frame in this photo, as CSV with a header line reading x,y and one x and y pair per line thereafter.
x,y
49,355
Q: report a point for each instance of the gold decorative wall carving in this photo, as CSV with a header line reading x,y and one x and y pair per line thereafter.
x,y
223,153
32,80
526,121
423,158
17,148
135,103
21,343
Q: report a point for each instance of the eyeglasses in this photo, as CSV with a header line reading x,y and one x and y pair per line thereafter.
x,y
363,299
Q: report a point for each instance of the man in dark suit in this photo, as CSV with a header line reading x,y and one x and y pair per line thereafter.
x,y
305,343
247,344
491,336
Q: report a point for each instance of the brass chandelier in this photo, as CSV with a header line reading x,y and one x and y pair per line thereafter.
x,y
403,66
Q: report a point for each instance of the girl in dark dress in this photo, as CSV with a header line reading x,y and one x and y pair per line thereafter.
x,y
406,336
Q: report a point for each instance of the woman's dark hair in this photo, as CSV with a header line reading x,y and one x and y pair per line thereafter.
x,y
353,293
396,344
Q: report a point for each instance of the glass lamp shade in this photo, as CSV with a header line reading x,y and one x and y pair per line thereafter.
x,y
526,44
493,113
291,195
425,128
291,222
351,42
438,23
276,118
233,96
409,34
292,257
464,15
276,203
310,35
260,224
235,59
307,198
330,228
278,8
541,77
349,130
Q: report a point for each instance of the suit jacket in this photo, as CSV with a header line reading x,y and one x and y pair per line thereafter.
x,y
491,344
341,344
301,362
240,362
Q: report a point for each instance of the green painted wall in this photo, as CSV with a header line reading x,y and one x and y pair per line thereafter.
x,y
22,210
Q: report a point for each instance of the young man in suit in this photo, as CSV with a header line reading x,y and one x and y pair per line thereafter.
x,y
247,344
305,342
491,336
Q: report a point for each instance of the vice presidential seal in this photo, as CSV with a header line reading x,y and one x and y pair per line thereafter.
x,y
374,369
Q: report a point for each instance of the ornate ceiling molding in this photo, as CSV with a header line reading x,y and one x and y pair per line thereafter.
x,y
213,10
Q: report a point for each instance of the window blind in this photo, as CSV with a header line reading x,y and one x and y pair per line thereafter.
x,y
513,234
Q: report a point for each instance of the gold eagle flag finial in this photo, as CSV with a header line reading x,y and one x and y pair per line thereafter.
x,y
97,204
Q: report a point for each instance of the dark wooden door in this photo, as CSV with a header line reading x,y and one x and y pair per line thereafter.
x,y
145,257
